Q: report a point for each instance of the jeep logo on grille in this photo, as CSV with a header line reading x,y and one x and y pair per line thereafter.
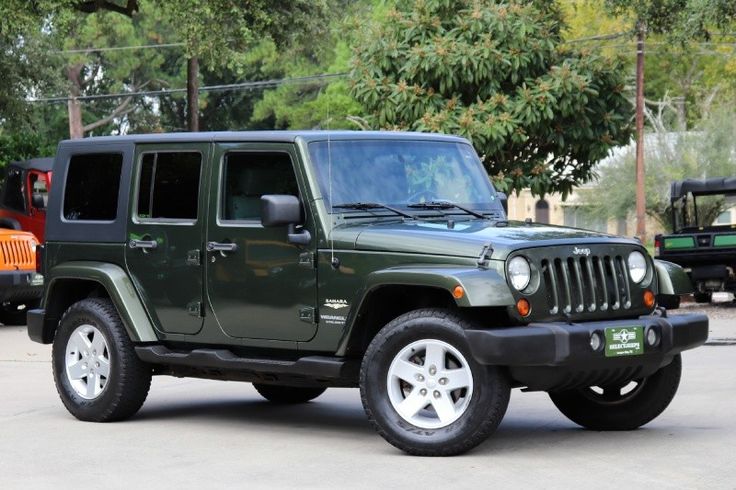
x,y
581,251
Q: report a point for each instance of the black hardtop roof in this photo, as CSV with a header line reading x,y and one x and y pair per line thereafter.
x,y
702,187
42,164
261,136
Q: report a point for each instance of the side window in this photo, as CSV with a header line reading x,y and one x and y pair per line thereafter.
x,y
13,197
39,190
248,176
169,186
92,184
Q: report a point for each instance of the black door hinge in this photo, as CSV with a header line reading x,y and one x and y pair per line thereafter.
x,y
194,257
195,309
308,314
308,259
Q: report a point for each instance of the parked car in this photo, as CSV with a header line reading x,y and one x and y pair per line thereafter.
x,y
21,286
300,261
705,245
24,196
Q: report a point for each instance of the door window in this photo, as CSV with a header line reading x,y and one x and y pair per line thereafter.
x,y
248,176
39,190
169,186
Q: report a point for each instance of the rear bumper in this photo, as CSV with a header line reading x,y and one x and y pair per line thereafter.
x,y
20,286
547,356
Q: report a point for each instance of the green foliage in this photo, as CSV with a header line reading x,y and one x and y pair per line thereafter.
x,y
540,113
17,146
708,151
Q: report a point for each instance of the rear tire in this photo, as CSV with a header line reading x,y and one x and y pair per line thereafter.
x,y
611,410
287,394
97,373
423,391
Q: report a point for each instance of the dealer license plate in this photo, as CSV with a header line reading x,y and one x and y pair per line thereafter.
x,y
624,341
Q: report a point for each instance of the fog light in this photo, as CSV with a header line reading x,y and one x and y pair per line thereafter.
x,y
652,337
596,341
523,307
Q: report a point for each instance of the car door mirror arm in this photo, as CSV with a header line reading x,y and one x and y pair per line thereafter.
x,y
298,236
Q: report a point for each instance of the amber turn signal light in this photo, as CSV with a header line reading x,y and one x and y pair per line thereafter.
x,y
458,292
523,307
649,299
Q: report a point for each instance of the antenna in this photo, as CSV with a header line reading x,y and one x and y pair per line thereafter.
x,y
333,261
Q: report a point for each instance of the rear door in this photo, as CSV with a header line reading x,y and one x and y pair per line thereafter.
x,y
165,233
261,287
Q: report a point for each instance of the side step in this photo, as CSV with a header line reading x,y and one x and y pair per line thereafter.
x,y
309,367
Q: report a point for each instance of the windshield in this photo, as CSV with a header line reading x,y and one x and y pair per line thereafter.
x,y
401,172
704,211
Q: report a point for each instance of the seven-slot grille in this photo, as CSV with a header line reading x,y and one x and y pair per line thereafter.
x,y
17,253
586,284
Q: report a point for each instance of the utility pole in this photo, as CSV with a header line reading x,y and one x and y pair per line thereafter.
x,y
641,214
193,93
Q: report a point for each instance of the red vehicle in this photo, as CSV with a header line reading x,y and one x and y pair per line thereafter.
x,y
24,196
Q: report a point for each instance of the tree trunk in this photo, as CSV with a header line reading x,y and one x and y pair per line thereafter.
x,y
73,74
193,93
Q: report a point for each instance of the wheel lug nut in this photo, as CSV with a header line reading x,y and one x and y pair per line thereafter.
x,y
420,377
97,364
422,392
437,394
432,370
443,381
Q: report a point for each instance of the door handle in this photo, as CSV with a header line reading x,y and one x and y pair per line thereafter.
x,y
143,244
221,247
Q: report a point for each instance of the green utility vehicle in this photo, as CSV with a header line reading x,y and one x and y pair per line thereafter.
x,y
301,261
704,238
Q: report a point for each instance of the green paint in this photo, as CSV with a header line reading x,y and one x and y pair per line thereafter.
x,y
679,242
625,341
724,241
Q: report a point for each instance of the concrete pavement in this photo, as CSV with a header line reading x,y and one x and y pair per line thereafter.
x,y
210,434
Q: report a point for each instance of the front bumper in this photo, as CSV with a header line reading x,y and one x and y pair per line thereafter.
x,y
558,356
20,286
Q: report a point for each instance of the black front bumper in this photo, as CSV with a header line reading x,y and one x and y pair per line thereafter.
x,y
558,356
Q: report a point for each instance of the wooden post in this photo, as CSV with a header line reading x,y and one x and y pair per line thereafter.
x,y
641,213
193,93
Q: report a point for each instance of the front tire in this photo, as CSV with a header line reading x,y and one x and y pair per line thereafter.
x,y
608,408
423,391
97,373
287,394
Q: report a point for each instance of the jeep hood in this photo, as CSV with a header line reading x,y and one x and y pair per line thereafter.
x,y
465,239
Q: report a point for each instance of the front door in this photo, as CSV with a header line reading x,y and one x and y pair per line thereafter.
x,y
165,234
259,285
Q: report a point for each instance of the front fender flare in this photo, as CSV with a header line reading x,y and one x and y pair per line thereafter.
x,y
117,284
672,279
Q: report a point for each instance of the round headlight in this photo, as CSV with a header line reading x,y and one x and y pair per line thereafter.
x,y
637,266
519,273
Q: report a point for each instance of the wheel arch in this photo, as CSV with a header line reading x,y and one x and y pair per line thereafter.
x,y
71,282
399,290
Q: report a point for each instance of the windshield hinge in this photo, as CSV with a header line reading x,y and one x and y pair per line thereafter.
x,y
485,256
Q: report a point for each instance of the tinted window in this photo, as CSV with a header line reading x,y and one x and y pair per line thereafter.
x,y
248,176
92,184
13,198
169,185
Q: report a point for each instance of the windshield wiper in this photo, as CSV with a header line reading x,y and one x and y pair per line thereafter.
x,y
372,205
445,205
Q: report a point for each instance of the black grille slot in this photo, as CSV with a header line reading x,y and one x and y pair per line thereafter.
x,y
580,284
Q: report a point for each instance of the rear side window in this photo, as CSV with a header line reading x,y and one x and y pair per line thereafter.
x,y
168,188
248,176
92,185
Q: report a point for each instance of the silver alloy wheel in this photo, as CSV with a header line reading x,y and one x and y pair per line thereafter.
x,y
430,384
87,361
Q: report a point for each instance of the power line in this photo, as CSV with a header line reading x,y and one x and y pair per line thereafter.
x,y
119,48
206,88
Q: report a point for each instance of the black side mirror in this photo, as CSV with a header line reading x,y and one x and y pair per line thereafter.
x,y
284,210
504,202
37,201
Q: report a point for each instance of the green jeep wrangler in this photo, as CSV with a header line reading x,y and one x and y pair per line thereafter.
x,y
300,261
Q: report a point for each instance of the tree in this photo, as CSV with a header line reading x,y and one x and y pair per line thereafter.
x,y
541,113
707,151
